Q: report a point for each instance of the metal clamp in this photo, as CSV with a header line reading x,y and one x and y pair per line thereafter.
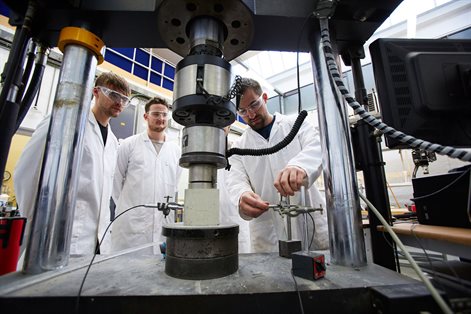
x,y
285,208
165,208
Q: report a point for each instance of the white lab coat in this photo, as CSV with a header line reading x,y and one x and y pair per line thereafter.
x,y
257,174
92,210
143,177
229,213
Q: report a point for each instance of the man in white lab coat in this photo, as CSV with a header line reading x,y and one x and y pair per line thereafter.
x,y
147,172
254,182
229,211
92,212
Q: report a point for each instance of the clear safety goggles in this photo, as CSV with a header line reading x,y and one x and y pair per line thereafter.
x,y
115,96
157,114
252,108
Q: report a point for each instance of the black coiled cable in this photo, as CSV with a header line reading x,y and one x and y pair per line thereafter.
x,y
217,100
270,150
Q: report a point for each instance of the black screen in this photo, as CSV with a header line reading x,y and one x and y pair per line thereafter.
x,y
424,88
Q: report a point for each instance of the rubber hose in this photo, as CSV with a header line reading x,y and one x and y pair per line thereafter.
x,y
30,93
271,150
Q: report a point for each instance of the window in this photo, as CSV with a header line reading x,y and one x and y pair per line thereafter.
x,y
142,64
118,60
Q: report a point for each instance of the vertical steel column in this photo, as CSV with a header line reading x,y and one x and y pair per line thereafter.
x,y
371,162
347,246
49,243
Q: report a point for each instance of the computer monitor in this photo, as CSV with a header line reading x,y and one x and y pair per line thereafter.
x,y
424,88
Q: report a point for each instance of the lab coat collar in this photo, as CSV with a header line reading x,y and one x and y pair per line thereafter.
x,y
147,138
278,118
148,141
96,128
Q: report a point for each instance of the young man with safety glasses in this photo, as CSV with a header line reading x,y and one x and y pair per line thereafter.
x,y
92,211
254,182
147,172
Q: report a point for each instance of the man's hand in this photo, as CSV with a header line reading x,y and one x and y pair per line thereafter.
x,y
290,180
251,205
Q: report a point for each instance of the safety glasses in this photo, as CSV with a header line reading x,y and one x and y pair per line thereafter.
x,y
114,96
252,108
156,114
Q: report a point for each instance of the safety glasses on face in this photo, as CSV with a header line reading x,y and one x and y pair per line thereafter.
x,y
157,114
114,96
252,108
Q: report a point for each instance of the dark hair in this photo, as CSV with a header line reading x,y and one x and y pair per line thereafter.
x,y
114,80
156,101
248,83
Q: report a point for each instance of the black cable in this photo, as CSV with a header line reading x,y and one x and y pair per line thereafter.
x,y
395,250
387,240
297,59
396,255
12,73
27,70
368,118
442,189
299,293
94,255
414,173
11,79
469,199
426,255
430,261
13,67
313,230
30,93
217,100
271,150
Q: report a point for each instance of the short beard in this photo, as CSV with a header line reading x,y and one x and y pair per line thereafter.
x,y
257,126
157,128
112,113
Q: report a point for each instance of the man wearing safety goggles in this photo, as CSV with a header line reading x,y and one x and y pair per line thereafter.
x,y
254,182
92,212
147,172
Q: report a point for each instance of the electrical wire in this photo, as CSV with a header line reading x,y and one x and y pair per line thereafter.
x,y
77,304
27,69
443,188
469,200
435,294
414,173
452,270
217,100
418,257
299,293
396,254
292,275
34,85
275,148
368,118
429,261
297,59
297,124
313,230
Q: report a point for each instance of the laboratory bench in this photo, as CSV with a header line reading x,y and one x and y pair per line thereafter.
x,y
448,240
263,283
